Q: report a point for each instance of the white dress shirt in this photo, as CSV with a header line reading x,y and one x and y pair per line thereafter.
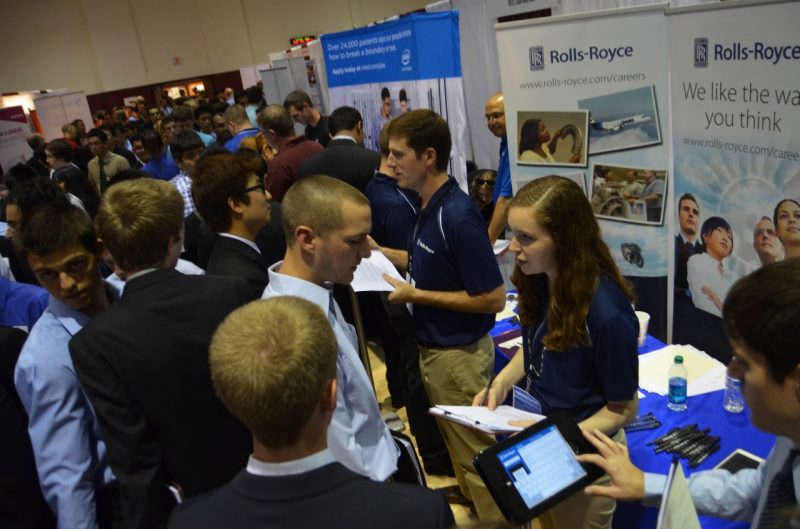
x,y
357,436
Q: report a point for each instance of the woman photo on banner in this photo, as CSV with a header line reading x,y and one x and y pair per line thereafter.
x,y
579,331
709,279
787,226
536,145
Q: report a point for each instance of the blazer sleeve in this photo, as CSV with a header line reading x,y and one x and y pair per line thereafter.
x,y
133,451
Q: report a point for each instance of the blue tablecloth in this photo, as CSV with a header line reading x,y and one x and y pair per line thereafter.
x,y
734,429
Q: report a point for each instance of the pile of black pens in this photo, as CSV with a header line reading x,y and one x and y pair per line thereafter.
x,y
643,422
688,442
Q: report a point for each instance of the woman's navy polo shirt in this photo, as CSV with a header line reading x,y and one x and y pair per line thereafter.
x,y
450,251
583,379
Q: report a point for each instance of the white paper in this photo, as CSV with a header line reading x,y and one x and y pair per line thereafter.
x,y
500,246
509,311
369,274
481,418
677,509
705,374
513,343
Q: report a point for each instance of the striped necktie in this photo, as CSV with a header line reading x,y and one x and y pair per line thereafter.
x,y
780,497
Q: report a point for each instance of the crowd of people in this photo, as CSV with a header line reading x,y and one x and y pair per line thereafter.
x,y
191,360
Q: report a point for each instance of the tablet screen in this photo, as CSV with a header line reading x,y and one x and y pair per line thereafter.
x,y
541,465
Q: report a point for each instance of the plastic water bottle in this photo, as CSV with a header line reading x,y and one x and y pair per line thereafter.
x,y
677,385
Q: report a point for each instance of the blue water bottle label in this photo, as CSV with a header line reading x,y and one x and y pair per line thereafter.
x,y
677,390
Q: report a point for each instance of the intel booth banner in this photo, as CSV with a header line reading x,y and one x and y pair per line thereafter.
x,y
390,68
736,154
588,101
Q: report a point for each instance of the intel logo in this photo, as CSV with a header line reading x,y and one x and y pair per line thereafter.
x,y
536,54
405,58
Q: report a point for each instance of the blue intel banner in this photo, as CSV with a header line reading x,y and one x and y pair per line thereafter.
x,y
413,47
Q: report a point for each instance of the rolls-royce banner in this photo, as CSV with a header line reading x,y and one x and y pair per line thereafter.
x,y
735,84
586,97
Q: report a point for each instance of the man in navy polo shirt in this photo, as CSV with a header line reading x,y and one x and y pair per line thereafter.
x,y
455,290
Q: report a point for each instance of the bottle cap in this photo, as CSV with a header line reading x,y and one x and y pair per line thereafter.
x,y
678,359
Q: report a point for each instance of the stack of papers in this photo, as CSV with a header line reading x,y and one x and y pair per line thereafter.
x,y
369,274
481,418
706,374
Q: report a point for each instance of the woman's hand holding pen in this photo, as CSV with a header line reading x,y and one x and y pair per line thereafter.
x,y
492,396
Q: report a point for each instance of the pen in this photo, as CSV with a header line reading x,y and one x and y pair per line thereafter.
x,y
488,387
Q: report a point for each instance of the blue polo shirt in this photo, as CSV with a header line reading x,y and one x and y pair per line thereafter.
x,y
583,379
233,143
450,251
394,211
502,185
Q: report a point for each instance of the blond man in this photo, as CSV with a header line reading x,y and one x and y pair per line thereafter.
x,y
144,362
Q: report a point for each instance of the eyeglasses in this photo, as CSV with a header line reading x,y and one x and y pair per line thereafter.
x,y
485,181
259,187
495,116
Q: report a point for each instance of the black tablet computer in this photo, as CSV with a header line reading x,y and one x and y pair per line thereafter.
x,y
532,471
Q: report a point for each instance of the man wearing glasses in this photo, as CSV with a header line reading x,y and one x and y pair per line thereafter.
x,y
232,201
496,121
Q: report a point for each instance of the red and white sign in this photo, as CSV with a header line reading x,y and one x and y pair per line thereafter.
x,y
14,130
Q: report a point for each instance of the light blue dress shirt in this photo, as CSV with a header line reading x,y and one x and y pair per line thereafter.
x,y
738,496
357,436
70,455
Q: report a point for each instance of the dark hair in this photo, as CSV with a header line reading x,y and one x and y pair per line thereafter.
x,y
254,95
78,184
778,205
343,118
183,113
687,196
296,99
60,149
153,144
254,158
383,139
35,141
239,94
711,224
116,128
560,206
29,194
277,119
184,142
98,133
761,311
52,226
385,93
217,178
202,109
168,119
472,179
19,174
403,96
139,136
128,174
529,136
424,129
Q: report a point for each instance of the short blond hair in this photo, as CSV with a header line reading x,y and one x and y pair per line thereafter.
x,y
137,220
317,201
270,361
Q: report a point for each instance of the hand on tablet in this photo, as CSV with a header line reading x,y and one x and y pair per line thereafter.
x,y
627,481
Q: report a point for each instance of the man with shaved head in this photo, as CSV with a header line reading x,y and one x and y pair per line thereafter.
x,y
496,121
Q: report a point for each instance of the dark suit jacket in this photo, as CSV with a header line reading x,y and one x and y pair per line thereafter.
x,y
144,365
330,497
345,160
230,257
22,505
681,258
